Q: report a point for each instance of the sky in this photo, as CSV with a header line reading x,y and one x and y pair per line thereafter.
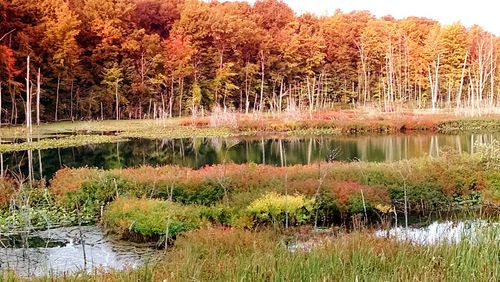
x,y
482,12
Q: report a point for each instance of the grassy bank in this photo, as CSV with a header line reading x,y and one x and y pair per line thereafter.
x,y
63,142
229,124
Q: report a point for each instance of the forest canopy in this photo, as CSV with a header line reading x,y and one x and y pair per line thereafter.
x,y
139,58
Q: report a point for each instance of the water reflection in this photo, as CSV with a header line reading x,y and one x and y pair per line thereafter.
x,y
198,152
439,232
77,252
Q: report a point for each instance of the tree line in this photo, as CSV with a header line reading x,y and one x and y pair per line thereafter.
x,y
92,59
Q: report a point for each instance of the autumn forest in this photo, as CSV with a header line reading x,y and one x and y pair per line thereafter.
x,y
146,58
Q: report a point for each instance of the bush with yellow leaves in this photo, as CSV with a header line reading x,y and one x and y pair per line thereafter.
x,y
274,208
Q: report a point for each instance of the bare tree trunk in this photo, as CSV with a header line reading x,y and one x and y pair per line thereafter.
x,y
434,83
181,89
448,102
77,102
365,74
149,107
309,96
492,73
117,110
57,96
261,103
71,101
171,98
280,103
162,104
459,94
40,167
28,96
1,166
247,103
38,98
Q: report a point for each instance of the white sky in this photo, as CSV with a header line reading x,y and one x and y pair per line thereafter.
x,y
485,13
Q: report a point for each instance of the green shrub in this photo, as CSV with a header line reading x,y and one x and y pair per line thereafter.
x,y
206,194
219,214
326,209
355,205
420,196
96,193
492,194
149,219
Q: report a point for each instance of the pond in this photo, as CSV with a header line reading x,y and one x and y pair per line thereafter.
x,y
439,232
199,152
70,249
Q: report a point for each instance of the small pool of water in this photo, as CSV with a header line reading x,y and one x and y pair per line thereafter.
x,y
61,251
439,232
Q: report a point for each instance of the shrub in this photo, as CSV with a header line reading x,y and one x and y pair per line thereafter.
x,y
149,219
348,195
431,184
96,193
272,208
426,195
206,194
41,218
326,209
492,194
67,180
219,214
8,189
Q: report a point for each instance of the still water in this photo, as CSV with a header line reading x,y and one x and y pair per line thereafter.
x,y
441,232
70,249
199,152
437,232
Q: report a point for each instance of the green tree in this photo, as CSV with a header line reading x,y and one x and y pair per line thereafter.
x,y
112,77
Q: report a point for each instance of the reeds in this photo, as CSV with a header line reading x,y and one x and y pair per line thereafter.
x,y
238,255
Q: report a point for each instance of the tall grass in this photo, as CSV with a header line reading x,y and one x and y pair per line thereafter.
x,y
242,255
236,255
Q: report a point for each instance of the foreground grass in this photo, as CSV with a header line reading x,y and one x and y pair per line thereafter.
x,y
221,254
235,255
